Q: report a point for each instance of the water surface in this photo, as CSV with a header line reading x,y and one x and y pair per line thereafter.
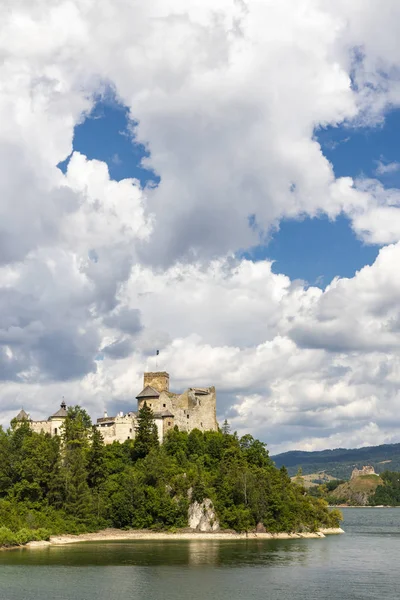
x,y
361,564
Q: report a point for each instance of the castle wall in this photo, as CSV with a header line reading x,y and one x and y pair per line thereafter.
x,y
193,410
41,426
366,470
122,428
160,429
117,429
52,426
154,403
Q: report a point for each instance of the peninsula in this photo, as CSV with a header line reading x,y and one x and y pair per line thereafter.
x,y
201,480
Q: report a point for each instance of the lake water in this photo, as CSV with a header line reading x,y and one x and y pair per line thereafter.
x,y
361,564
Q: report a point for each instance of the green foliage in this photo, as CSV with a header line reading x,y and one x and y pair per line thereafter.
x,y
146,433
333,484
21,537
225,429
389,493
75,483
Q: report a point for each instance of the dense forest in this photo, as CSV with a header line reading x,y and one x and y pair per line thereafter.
x,y
75,483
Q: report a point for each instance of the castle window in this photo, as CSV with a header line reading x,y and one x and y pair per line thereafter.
x,y
201,424
130,431
169,423
188,416
164,405
55,431
129,437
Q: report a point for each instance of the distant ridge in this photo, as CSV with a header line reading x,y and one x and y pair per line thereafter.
x,y
340,462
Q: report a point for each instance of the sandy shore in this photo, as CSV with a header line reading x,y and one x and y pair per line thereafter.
x,y
118,535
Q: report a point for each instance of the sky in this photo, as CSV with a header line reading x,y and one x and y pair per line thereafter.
x,y
219,181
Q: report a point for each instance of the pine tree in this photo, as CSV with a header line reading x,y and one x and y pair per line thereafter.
x,y
146,433
226,428
97,470
96,460
78,499
75,438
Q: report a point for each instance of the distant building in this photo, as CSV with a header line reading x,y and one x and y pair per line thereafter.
x,y
367,470
52,425
195,408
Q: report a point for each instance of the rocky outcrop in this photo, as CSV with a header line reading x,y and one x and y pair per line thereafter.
x,y
202,517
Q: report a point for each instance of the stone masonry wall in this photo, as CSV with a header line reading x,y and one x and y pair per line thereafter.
x,y
158,380
52,426
191,410
122,428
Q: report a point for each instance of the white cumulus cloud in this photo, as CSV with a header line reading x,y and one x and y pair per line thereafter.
x,y
96,274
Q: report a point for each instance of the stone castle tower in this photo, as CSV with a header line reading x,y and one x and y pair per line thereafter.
x,y
195,408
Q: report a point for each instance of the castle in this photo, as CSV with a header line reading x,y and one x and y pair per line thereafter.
x,y
195,408
51,426
367,470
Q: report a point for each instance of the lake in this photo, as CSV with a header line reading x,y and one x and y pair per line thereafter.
x,y
362,563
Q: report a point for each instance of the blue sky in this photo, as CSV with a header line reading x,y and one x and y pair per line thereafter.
x,y
107,135
313,249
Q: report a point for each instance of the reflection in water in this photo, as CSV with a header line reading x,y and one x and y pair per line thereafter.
x,y
221,553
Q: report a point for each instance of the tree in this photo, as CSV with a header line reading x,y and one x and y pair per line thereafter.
x,y
78,499
146,433
299,480
6,472
226,428
75,437
96,460
76,427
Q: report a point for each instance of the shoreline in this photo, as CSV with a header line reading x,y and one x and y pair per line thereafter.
x,y
109,535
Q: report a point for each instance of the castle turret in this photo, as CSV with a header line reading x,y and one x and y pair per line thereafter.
x,y
22,416
158,380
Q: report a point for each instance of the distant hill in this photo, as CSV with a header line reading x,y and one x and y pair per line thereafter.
x,y
340,462
358,491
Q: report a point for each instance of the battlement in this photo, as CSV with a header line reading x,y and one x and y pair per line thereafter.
x,y
158,380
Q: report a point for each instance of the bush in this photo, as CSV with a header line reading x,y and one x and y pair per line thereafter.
x,y
23,536
7,537
42,534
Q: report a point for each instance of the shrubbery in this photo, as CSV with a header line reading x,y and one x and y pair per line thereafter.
x,y
23,536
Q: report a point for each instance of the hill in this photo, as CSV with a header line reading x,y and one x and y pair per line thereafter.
x,y
340,462
357,491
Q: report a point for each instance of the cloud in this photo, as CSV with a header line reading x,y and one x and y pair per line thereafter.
x,y
96,274
386,168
